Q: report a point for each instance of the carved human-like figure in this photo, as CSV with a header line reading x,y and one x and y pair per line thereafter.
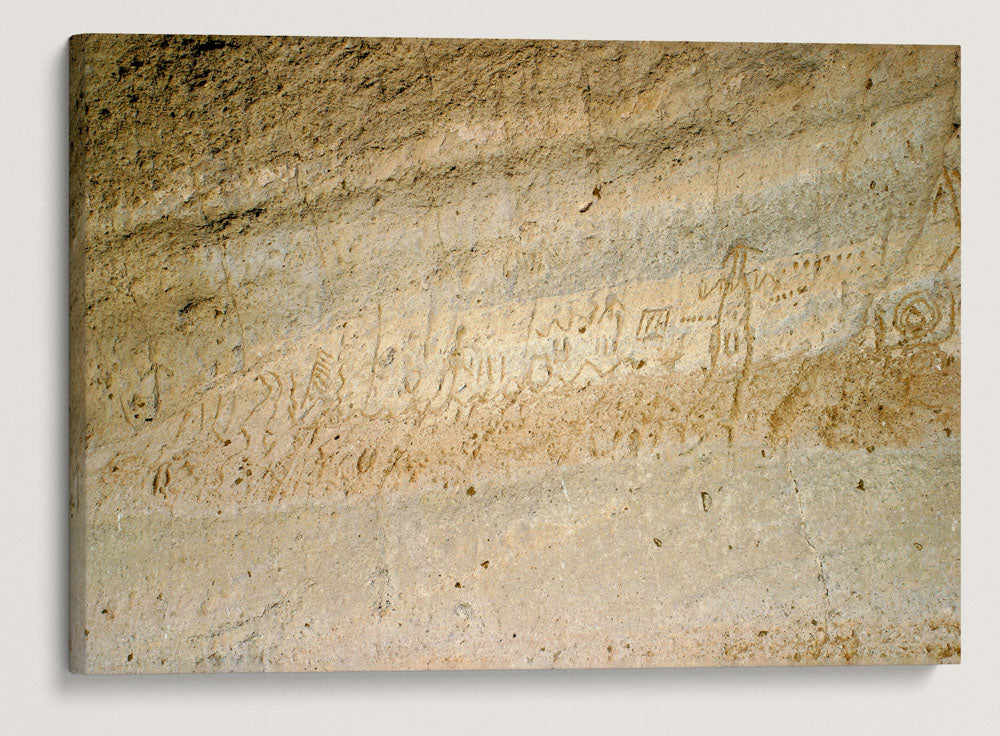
x,y
731,342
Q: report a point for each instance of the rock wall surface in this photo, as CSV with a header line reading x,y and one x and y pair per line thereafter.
x,y
405,353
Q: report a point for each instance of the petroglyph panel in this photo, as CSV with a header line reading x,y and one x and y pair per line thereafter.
x,y
567,324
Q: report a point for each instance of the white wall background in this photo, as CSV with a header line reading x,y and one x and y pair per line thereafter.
x,y
38,694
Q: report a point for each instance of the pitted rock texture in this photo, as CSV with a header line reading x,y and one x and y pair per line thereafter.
x,y
404,353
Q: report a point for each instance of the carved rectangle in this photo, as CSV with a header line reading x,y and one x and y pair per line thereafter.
x,y
653,323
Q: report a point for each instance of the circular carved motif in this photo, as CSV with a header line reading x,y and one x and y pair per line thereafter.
x,y
917,314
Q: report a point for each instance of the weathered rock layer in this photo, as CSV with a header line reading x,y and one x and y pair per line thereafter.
x,y
413,353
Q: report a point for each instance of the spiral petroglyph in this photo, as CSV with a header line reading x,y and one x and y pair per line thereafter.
x,y
917,315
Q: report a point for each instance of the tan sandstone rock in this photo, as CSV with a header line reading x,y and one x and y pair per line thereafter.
x,y
472,354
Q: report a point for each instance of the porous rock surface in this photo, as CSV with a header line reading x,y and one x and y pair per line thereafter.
x,y
473,354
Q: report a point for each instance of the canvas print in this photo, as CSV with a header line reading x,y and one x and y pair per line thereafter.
x,y
455,353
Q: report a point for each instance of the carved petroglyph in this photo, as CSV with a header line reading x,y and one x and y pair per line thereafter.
x,y
731,333
290,431
653,323
921,313
161,480
916,315
439,361
321,379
